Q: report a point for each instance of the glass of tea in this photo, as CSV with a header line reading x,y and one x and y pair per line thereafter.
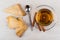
x,y
45,16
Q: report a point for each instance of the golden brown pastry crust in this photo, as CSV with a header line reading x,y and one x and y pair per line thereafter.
x,y
18,24
15,10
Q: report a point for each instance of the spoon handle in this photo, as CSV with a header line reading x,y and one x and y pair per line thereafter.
x,y
30,20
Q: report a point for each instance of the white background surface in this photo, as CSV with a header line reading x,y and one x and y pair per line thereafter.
x,y
7,34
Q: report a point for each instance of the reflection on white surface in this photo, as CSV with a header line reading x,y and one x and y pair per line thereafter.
x,y
8,34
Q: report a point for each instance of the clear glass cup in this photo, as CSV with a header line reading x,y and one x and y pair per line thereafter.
x,y
54,15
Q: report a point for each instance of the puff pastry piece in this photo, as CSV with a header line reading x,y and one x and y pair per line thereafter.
x,y
18,24
22,28
12,22
15,10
